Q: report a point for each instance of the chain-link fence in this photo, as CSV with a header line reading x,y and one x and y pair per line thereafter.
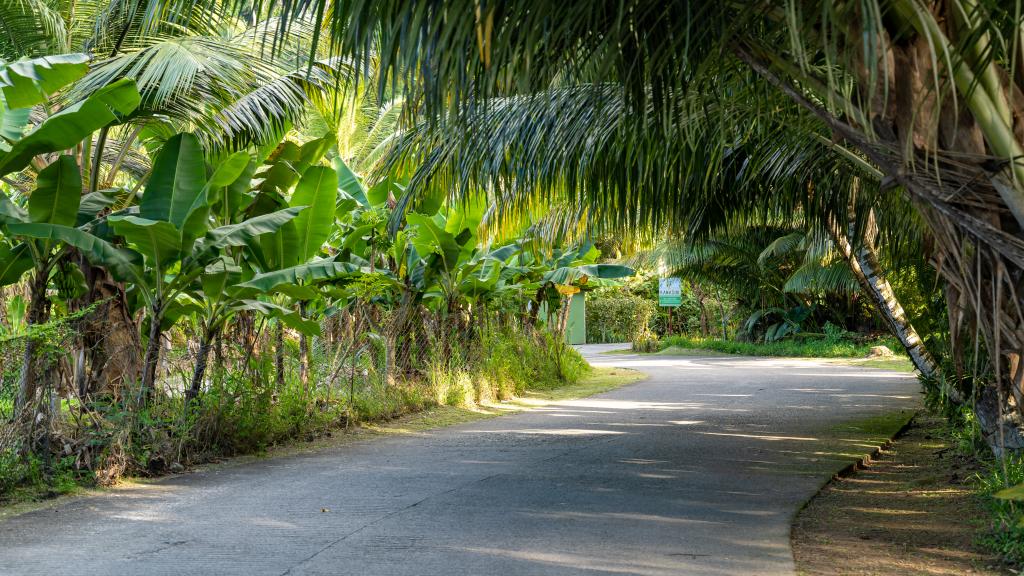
x,y
80,401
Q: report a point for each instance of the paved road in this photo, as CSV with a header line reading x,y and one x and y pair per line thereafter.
x,y
696,470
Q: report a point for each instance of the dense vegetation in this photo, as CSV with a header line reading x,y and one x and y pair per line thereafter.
x,y
223,224
216,301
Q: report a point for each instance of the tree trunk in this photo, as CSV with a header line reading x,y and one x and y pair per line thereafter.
x,y
725,320
279,354
698,293
110,337
304,352
209,335
863,263
965,205
152,357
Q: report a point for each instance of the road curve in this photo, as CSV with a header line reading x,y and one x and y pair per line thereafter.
x,y
696,470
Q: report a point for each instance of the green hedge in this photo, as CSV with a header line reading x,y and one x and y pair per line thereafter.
x,y
618,317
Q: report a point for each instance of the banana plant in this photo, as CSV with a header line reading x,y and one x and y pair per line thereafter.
x,y
44,233
172,232
217,299
562,270
289,261
37,238
217,296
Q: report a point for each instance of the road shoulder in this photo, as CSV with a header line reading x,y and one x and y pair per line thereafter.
x,y
909,511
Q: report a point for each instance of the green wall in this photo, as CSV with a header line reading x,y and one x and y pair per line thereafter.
x,y
576,326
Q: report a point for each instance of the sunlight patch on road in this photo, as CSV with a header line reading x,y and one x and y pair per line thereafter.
x,y
873,375
762,436
551,432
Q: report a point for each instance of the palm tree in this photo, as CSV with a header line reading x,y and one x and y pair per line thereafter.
x,y
921,92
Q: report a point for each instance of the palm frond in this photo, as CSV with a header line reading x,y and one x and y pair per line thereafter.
x,y
31,28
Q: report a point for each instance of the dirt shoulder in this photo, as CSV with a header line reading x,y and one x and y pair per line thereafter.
x,y
911,511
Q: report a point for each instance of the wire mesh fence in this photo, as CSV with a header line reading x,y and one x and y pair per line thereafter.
x,y
80,398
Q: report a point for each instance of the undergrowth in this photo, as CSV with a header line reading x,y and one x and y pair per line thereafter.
x,y
1003,528
244,411
1005,532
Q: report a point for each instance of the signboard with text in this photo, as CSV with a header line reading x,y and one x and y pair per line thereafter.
x,y
669,292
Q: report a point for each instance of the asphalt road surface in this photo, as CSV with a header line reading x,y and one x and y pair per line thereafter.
x,y
696,470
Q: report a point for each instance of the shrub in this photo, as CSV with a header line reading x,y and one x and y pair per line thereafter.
x,y
618,317
1005,534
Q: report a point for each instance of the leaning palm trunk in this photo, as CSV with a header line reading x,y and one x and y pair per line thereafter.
x,y
974,209
863,263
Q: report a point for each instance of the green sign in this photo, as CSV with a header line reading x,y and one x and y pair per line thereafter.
x,y
669,292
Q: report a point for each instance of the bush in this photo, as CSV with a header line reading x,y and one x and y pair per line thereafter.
x,y
618,317
1005,534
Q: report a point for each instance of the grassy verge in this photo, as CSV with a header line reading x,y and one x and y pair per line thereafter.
x,y
594,381
844,352
808,348
597,381
894,364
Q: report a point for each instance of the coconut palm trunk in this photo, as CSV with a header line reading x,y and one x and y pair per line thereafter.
x,y
863,263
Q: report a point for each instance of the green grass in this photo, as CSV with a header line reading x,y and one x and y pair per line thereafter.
x,y
820,348
598,380
1004,533
894,364
876,429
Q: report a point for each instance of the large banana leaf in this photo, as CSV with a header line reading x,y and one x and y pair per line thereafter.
x,y
68,127
234,198
158,241
93,203
57,194
300,275
278,175
11,212
465,215
291,318
503,253
217,277
176,190
431,239
242,233
26,83
122,264
579,274
228,171
12,124
311,152
317,189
